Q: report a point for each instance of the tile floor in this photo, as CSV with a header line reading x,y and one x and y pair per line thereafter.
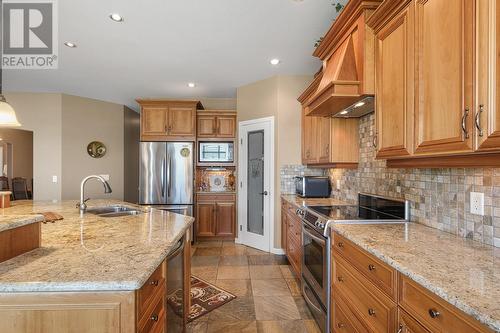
x,y
268,294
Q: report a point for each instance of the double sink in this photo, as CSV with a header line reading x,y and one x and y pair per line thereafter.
x,y
114,211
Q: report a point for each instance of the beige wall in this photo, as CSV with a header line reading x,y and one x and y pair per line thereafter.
x,y
83,121
276,96
41,113
22,152
131,156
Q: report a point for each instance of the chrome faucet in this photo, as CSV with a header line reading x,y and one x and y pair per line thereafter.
x,y
82,204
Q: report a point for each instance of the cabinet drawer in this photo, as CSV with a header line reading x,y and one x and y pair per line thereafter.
x,y
344,321
294,253
215,197
409,325
434,312
371,305
147,293
295,227
154,319
383,276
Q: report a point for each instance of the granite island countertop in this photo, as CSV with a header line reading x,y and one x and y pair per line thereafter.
x,y
462,272
8,222
92,253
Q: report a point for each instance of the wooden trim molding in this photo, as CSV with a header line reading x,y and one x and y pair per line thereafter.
x,y
343,165
454,161
384,13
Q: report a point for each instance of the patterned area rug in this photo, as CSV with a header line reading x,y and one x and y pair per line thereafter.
x,y
205,297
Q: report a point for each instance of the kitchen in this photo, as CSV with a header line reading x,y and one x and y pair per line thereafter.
x,y
360,197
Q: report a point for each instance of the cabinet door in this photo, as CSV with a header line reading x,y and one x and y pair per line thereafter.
x,y
395,88
205,219
444,59
284,228
182,121
409,325
308,139
207,126
153,123
226,212
323,139
487,110
226,126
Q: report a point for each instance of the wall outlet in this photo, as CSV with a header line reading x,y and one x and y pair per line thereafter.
x,y
338,184
54,179
106,177
477,203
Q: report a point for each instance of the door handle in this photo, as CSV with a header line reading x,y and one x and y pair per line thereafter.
x,y
263,193
163,165
464,125
169,176
478,120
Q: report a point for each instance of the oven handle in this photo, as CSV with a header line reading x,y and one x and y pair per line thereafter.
x,y
308,300
308,233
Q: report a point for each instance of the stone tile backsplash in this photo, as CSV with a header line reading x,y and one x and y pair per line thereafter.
x,y
440,198
289,172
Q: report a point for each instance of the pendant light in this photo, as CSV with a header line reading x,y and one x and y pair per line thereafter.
x,y
7,114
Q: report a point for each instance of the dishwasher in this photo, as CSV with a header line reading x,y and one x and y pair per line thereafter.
x,y
176,288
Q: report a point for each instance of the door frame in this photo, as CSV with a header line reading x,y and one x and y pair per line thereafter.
x,y
269,142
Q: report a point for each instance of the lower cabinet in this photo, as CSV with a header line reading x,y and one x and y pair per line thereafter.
x,y
216,216
370,296
291,228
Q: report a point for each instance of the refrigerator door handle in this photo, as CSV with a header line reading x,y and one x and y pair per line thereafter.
x,y
163,177
169,175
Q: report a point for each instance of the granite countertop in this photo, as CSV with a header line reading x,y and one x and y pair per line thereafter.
x,y
463,272
303,202
8,222
92,253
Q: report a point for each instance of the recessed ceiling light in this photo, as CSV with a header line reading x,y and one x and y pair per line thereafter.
x,y
116,17
344,112
274,62
357,105
191,85
70,44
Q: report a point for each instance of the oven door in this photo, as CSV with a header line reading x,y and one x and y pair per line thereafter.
x,y
314,262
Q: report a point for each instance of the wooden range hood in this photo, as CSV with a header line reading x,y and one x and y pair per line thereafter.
x,y
348,55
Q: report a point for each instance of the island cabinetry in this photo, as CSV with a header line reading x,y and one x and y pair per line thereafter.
x,y
150,300
16,241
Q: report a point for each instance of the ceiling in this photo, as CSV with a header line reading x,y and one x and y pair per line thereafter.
x,y
164,44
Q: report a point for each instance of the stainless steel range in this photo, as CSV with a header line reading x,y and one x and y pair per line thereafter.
x,y
316,243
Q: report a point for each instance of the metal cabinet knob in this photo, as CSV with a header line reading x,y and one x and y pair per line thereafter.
x,y
434,313
340,325
340,244
371,267
340,278
371,312
154,317
154,283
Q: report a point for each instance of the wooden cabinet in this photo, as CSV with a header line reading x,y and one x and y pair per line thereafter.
x,y
370,296
487,108
395,86
216,124
164,120
444,33
291,236
216,216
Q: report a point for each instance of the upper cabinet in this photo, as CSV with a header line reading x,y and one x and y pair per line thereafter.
x,y
436,82
348,61
216,124
165,120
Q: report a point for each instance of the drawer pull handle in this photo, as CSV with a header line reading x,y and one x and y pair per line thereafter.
x,y
434,313
340,244
154,283
154,317
371,267
340,325
400,330
340,278
371,312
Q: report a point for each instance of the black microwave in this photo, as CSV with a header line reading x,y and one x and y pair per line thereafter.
x,y
312,186
215,152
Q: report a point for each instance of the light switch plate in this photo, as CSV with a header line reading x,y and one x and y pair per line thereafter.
x,y
338,184
54,179
477,203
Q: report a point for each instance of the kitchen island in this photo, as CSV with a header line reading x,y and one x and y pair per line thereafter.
x,y
91,273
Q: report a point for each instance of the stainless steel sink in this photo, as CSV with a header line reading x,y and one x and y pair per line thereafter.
x,y
114,211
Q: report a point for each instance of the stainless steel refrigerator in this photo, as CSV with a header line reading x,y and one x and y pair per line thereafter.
x,y
166,176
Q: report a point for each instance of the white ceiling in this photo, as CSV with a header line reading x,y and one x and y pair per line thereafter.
x,y
164,44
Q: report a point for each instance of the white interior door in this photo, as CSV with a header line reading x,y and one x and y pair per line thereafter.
x,y
256,172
